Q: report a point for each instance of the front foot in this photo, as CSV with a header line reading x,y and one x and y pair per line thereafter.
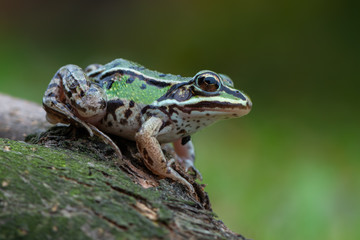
x,y
176,176
153,155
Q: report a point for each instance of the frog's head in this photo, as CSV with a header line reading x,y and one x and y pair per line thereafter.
x,y
209,95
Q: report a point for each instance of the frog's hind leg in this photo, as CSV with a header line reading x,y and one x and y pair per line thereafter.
x,y
58,112
185,153
71,97
54,103
108,140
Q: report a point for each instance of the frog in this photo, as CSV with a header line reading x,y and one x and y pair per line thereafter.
x,y
154,109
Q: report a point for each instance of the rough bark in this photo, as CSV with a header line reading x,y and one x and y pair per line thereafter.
x,y
63,184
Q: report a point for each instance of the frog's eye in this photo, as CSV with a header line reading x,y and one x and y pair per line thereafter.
x,y
208,82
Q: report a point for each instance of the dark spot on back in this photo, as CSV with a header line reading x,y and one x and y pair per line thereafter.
x,y
131,103
130,79
143,86
128,113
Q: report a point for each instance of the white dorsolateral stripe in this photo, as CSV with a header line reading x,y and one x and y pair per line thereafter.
x,y
197,100
140,73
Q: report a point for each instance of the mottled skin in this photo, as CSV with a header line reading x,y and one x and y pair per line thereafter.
x,y
125,99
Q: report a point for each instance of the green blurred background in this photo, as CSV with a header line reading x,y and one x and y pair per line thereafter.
x,y
289,169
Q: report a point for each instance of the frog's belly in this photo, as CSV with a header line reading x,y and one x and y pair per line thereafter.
x,y
119,131
129,130
120,126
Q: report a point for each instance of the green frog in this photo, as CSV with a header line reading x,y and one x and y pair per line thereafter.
x,y
151,108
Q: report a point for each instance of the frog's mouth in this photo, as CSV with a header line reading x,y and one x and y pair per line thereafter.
x,y
219,108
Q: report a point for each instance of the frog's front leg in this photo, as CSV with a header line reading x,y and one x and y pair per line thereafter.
x,y
72,98
152,154
185,152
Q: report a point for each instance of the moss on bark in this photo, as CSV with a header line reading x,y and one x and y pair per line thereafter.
x,y
74,190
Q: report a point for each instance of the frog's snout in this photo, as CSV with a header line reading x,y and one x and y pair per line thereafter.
x,y
249,103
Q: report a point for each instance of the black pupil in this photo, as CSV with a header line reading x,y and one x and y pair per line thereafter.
x,y
208,83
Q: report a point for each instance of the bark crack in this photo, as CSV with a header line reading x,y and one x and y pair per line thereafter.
x,y
109,220
75,181
126,192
